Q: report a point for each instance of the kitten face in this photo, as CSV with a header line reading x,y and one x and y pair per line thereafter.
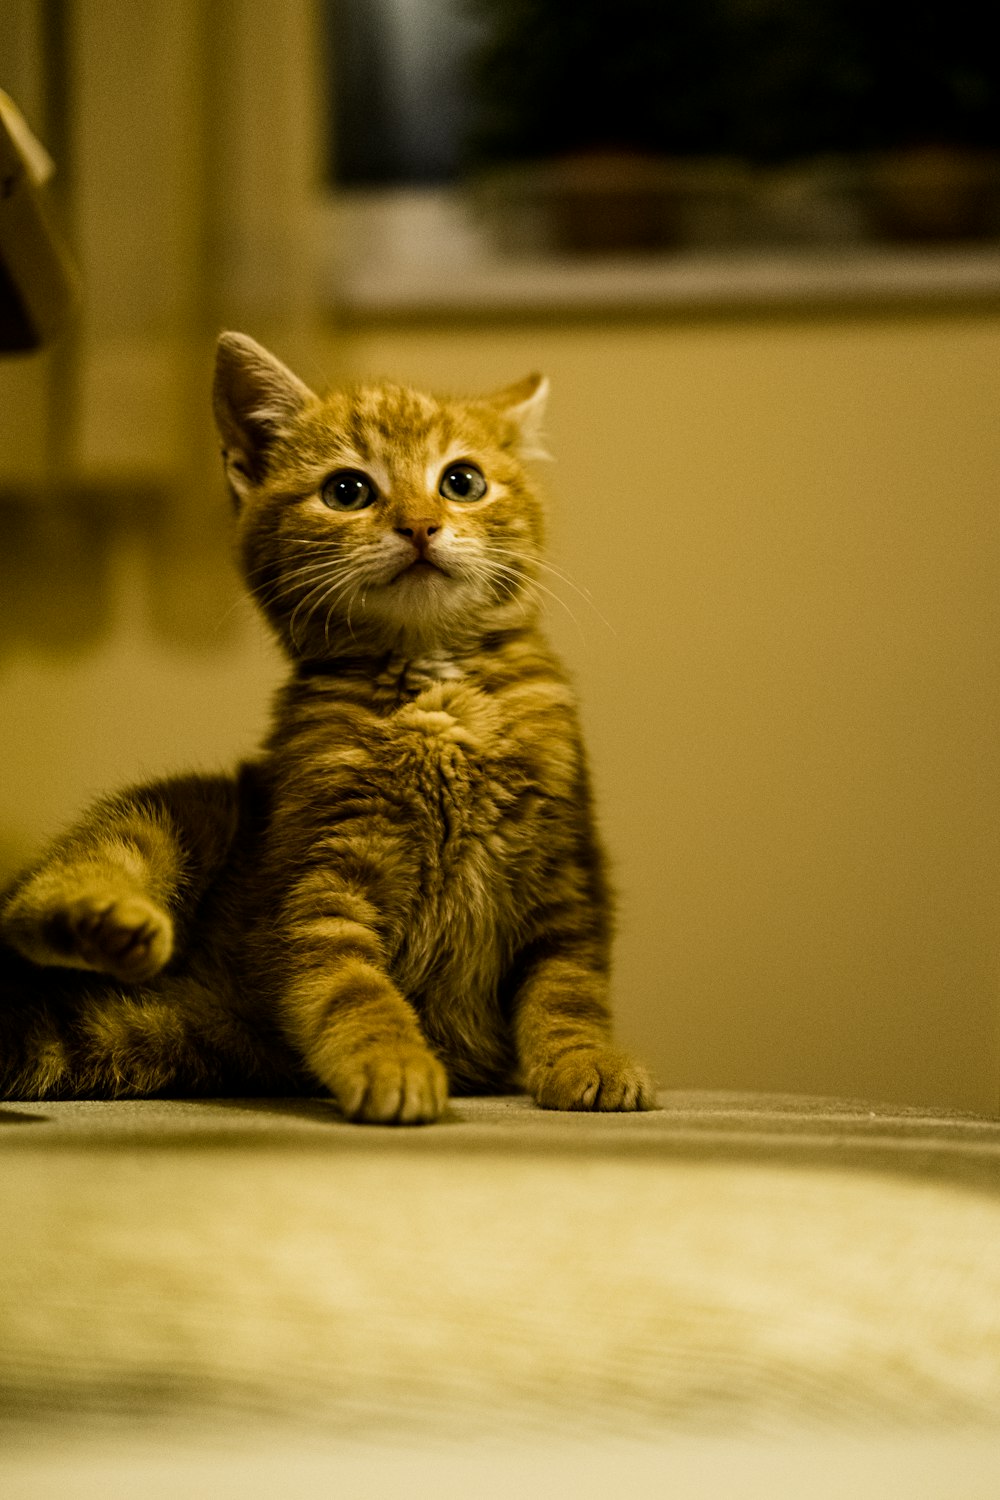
x,y
381,518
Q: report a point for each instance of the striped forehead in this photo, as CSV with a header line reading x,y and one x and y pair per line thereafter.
x,y
398,426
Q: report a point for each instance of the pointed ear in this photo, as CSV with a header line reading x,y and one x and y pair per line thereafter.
x,y
524,405
253,395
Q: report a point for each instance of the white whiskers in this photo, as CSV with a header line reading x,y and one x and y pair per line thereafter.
x,y
563,577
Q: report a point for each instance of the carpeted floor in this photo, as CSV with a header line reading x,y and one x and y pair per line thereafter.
x,y
729,1270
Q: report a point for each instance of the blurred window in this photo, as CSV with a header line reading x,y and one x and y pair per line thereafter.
x,y
423,88
466,133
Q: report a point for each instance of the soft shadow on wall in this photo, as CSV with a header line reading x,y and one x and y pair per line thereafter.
x,y
181,219
123,649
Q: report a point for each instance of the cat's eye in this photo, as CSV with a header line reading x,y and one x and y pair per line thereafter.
x,y
463,482
348,489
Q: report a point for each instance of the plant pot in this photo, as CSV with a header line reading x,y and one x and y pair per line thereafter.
x,y
611,203
933,193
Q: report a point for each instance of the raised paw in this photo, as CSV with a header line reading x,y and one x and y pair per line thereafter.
x,y
128,936
593,1078
395,1084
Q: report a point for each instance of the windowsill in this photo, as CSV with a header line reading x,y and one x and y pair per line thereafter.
x,y
420,256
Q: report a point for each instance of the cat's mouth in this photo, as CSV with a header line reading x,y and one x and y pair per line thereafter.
x,y
419,568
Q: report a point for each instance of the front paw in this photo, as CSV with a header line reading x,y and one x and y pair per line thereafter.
x,y
593,1078
401,1084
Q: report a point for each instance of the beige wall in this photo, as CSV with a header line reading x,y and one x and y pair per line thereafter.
x,y
789,527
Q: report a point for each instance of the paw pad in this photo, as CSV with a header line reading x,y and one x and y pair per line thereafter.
x,y
128,937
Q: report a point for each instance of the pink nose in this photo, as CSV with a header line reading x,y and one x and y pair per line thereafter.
x,y
419,533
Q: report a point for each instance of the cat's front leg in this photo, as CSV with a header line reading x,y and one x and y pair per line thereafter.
x,y
352,1026
563,1035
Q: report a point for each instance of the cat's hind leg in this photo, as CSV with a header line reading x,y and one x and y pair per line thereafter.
x,y
107,896
68,1040
173,1039
90,918
77,1039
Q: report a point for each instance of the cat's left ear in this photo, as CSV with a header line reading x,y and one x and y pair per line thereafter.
x,y
254,395
524,404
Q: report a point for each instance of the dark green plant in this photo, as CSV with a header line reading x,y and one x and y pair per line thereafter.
x,y
555,76
930,72
767,80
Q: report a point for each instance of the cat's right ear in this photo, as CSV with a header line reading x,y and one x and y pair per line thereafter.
x,y
253,395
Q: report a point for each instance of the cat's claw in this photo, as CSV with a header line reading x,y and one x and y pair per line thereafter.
x,y
593,1078
402,1086
128,937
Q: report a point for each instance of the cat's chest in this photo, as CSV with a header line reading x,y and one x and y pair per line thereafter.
x,y
451,761
449,754
469,768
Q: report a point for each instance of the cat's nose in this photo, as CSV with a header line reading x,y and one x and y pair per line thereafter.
x,y
419,533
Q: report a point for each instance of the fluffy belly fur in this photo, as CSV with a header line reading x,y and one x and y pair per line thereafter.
x,y
441,798
461,930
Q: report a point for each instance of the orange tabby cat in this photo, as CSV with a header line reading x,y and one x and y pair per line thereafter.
x,y
403,893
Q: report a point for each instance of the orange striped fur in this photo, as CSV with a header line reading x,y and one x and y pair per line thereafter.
x,y
403,893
